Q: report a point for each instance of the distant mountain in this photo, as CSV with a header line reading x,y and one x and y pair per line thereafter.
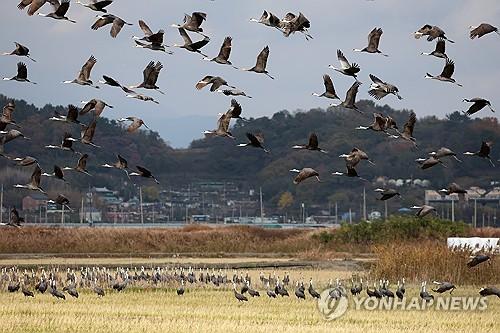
x,y
219,159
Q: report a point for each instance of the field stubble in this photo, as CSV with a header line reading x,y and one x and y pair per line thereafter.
x,y
209,310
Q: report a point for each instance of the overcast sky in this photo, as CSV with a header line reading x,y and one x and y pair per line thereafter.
x,y
61,48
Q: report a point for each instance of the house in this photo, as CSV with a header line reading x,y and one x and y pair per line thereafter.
x,y
33,202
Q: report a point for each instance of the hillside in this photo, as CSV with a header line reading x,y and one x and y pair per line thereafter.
x,y
218,159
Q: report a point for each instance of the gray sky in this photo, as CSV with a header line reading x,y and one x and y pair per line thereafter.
x,y
61,48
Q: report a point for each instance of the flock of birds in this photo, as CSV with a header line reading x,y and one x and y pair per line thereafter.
x,y
288,25
101,280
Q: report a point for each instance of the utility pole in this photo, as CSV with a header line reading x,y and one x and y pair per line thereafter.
x,y
1,205
187,210
62,214
82,212
475,213
303,213
385,207
452,210
364,203
261,207
336,213
350,216
140,204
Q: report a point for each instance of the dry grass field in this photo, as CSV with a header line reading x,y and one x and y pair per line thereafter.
x,y
145,306
209,310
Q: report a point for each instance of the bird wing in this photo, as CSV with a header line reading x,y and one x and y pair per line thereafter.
x,y
144,27
153,76
254,140
82,162
485,148
62,200
304,174
352,92
377,93
111,81
235,109
203,82
58,172
102,21
35,5
448,69
374,38
122,161
88,107
288,17
136,123
62,9
89,132
199,44
23,4
102,4
225,49
441,46
481,30
22,70
223,123
87,68
217,82
35,177
197,18
184,35
313,141
262,59
410,124
157,38
117,26
351,172
327,80
21,49
376,80
8,110
274,21
72,113
379,122
343,61
146,73
144,172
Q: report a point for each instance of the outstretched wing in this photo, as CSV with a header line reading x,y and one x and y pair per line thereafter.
x,y
262,59
313,141
448,69
352,92
343,61
374,38
35,177
185,36
22,70
87,68
82,161
235,109
144,27
62,9
376,79
441,46
327,80
225,49
410,125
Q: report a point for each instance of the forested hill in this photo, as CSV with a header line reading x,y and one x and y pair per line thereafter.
x,y
219,159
